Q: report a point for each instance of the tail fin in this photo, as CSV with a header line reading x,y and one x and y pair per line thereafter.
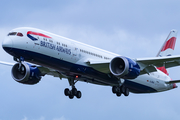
x,y
168,46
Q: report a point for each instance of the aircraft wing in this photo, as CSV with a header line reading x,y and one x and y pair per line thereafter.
x,y
167,62
43,70
6,63
49,71
147,65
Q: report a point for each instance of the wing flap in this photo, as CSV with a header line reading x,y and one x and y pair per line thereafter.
x,y
49,71
102,66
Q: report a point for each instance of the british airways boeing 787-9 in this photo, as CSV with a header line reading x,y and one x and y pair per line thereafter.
x,y
39,53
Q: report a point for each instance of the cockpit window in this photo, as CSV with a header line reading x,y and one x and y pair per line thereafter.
x,y
15,33
19,34
12,33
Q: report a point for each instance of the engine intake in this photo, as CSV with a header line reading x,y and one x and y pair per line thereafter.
x,y
124,67
25,73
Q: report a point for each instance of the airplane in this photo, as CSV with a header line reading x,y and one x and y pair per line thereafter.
x,y
38,53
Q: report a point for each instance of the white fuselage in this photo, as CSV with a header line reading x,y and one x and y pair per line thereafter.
x,y
54,47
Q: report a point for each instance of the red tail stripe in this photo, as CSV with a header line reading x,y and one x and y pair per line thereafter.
x,y
163,69
169,44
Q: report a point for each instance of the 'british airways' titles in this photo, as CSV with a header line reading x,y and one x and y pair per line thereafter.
x,y
55,47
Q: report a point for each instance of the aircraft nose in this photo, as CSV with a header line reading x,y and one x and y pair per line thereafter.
x,y
7,44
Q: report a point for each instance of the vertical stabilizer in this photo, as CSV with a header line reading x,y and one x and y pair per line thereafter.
x,y
168,46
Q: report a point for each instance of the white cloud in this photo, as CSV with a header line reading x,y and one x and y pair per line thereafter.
x,y
43,118
25,118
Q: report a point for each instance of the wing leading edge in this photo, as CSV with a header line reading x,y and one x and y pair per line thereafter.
x,y
168,62
147,65
43,70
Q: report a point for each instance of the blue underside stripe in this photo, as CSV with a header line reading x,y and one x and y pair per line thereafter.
x,y
138,88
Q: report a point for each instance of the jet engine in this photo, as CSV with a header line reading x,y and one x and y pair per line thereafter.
x,y
26,73
124,67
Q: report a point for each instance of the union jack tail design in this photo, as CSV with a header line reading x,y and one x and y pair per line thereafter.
x,y
168,48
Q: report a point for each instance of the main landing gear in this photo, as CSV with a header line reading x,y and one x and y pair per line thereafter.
x,y
73,92
119,90
21,68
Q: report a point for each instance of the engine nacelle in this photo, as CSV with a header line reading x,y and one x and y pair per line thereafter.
x,y
26,74
124,67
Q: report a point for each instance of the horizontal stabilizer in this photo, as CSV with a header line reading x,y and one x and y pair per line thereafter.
x,y
173,81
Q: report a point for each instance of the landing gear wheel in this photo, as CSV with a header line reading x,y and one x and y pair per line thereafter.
x,y
123,88
118,94
126,93
74,91
67,92
118,90
78,95
114,89
71,96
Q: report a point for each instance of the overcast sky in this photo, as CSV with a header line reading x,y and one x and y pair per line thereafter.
x,y
131,28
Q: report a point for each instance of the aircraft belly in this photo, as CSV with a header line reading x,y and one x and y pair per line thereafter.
x,y
138,88
88,74
146,84
142,84
68,68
